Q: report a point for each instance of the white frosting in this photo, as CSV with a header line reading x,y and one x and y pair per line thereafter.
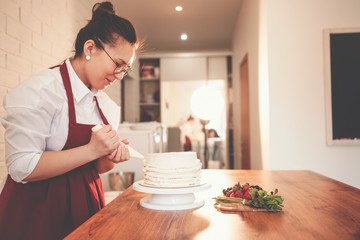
x,y
172,169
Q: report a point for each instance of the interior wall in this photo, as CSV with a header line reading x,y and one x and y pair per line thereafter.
x,y
246,41
296,74
294,45
35,35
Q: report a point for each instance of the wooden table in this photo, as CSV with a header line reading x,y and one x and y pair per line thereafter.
x,y
315,207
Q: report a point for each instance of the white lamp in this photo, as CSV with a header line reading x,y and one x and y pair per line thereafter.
x,y
206,102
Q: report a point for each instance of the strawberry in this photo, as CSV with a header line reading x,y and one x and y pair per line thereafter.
x,y
247,195
229,193
245,187
238,194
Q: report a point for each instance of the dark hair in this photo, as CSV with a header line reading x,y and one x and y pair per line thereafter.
x,y
214,132
105,27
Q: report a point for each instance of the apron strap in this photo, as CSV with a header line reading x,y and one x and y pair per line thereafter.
x,y
66,79
100,111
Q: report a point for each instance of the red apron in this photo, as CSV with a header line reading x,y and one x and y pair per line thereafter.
x,y
52,208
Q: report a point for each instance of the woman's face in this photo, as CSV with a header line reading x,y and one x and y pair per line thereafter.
x,y
100,69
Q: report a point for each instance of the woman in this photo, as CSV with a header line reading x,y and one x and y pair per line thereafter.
x,y
52,155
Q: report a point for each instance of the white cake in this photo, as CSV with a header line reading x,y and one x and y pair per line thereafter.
x,y
172,169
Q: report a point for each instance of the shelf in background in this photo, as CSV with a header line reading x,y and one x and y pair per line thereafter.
x,y
150,79
153,104
150,107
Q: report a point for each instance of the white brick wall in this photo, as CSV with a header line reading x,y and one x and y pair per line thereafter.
x,y
35,35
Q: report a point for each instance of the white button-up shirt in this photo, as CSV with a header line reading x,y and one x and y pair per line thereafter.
x,y
38,120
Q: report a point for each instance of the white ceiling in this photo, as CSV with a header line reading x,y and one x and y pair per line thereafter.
x,y
208,23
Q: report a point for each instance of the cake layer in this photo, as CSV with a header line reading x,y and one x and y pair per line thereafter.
x,y
190,174
171,159
173,169
172,183
172,179
168,169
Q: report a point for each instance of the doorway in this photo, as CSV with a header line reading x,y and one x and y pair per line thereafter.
x,y
245,114
176,102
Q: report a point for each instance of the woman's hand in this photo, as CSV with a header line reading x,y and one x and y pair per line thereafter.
x,y
121,154
104,142
106,163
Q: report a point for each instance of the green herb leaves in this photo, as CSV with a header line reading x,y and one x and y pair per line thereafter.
x,y
261,199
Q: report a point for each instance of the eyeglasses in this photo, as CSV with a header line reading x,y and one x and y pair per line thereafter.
x,y
121,70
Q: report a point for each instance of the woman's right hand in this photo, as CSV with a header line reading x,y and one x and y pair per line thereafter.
x,y
104,142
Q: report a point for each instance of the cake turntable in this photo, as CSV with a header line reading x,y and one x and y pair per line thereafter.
x,y
177,198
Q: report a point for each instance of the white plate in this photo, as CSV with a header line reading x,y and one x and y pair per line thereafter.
x,y
146,203
140,187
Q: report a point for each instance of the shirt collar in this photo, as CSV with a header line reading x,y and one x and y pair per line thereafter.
x,y
79,89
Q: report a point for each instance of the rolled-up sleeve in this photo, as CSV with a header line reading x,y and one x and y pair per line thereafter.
x,y
24,141
30,115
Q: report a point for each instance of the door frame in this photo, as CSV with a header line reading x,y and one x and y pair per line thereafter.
x,y
245,146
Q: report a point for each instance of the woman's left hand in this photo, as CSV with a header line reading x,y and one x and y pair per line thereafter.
x,y
121,154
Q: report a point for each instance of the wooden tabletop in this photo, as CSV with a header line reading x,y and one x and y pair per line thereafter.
x,y
315,207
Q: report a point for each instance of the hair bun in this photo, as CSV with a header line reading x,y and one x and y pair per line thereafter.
x,y
101,9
